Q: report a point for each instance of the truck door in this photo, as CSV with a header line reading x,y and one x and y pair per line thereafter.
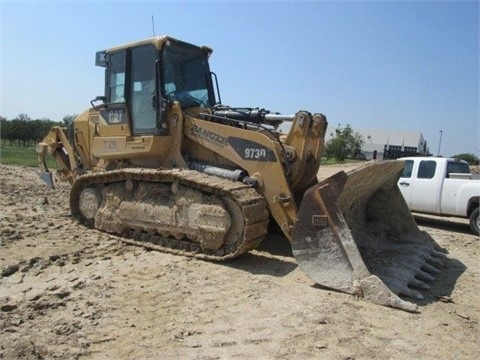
x,y
423,196
406,180
419,186
424,188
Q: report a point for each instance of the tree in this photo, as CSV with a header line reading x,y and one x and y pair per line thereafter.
x,y
4,129
346,144
470,158
67,119
22,117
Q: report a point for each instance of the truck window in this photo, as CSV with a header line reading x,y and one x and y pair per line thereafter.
x,y
457,167
407,169
426,170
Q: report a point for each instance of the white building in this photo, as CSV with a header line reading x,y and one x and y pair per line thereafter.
x,y
394,143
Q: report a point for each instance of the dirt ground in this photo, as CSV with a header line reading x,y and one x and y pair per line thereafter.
x,y
67,292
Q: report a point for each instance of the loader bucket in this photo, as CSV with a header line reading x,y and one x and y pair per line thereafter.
x,y
356,234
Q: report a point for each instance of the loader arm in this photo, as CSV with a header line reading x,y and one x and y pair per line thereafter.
x,y
275,167
56,144
306,138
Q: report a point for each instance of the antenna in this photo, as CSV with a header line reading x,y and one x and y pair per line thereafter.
x,y
153,26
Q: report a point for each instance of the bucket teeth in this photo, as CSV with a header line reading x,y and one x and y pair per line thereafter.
x,y
429,268
437,258
419,284
422,275
439,254
406,291
405,266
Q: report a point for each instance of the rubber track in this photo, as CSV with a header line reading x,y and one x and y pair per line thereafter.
x,y
249,201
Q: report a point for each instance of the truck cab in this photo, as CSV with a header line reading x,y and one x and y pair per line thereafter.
x,y
441,186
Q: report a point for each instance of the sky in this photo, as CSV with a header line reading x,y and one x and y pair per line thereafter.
x,y
394,65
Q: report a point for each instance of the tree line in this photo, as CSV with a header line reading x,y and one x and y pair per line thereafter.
x,y
24,131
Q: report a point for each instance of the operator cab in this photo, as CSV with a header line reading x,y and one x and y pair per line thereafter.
x,y
143,79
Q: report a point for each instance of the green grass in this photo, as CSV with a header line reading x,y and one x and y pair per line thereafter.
x,y
333,161
26,156
21,156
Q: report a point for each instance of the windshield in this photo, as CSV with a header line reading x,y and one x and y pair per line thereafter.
x,y
186,76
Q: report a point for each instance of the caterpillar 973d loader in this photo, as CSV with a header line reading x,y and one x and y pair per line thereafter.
x,y
158,161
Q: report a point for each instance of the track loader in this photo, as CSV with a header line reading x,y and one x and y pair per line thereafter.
x,y
159,161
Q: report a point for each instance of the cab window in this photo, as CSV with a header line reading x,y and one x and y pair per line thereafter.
x,y
407,169
186,76
457,167
116,78
143,90
426,169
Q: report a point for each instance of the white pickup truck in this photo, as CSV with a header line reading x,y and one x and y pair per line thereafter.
x,y
442,186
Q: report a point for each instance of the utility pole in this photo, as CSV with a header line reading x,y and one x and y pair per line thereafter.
x,y
153,26
440,142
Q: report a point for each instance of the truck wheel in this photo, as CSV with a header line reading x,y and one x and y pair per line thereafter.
x,y
475,221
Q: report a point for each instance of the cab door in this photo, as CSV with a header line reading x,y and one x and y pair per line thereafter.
x,y
142,92
130,112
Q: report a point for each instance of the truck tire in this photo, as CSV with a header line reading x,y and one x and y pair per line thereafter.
x,y
475,221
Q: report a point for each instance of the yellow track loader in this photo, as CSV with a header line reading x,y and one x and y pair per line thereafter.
x,y
161,162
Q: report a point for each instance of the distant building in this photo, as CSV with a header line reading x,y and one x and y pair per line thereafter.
x,y
389,144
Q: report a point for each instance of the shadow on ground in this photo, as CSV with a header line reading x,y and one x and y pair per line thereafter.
x,y
273,257
442,224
